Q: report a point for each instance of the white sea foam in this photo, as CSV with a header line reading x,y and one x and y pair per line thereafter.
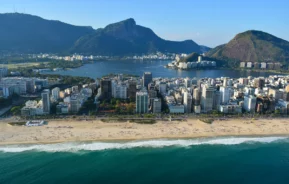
x,y
98,146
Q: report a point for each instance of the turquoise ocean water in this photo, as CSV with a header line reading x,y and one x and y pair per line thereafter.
x,y
214,160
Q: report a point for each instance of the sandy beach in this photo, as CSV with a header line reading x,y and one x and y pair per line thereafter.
x,y
65,131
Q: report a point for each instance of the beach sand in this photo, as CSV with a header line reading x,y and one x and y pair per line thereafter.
x,y
72,130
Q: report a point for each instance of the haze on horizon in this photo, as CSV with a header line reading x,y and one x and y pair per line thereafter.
x,y
207,22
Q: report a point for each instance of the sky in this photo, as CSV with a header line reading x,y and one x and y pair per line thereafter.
x,y
207,22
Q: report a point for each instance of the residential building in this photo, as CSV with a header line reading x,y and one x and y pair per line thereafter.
x,y
197,93
162,88
250,103
46,101
226,93
207,98
157,105
188,82
55,93
106,88
75,104
217,100
188,100
230,109
259,82
147,78
120,91
142,102
131,89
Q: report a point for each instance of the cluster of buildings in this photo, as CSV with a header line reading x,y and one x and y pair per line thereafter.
x,y
262,65
79,57
192,65
139,90
3,72
21,85
191,95
67,101
74,57
156,56
229,96
33,108
156,95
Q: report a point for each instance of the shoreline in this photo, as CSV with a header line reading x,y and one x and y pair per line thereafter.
x,y
228,68
97,131
145,139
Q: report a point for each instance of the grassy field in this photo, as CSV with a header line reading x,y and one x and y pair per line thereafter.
x,y
16,65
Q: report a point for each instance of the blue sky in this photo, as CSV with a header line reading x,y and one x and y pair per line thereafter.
x,y
208,22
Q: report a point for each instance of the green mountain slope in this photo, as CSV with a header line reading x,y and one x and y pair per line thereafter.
x,y
127,38
31,34
256,46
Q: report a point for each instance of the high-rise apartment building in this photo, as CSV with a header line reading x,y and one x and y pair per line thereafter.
x,y
119,91
46,101
131,91
207,98
142,102
106,88
250,103
188,102
217,100
162,88
188,82
226,93
259,82
55,93
197,96
157,105
147,78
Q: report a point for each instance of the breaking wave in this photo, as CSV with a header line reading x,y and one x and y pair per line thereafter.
x,y
98,146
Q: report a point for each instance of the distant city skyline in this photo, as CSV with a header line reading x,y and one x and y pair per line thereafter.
x,y
208,22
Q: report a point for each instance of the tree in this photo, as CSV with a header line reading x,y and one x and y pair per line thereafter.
x,y
15,110
130,108
91,113
277,112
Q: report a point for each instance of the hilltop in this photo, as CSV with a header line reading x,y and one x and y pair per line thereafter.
x,y
26,33
127,38
254,46
31,34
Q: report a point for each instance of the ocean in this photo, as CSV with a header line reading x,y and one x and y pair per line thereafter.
x,y
211,160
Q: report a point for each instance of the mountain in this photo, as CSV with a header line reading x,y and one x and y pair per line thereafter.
x,y
31,34
253,46
128,38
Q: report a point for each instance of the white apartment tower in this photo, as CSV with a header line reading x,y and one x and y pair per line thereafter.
x,y
226,93
188,102
188,82
250,103
55,93
207,98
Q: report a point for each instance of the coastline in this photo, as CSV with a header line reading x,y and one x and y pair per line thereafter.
x,y
97,131
229,68
260,70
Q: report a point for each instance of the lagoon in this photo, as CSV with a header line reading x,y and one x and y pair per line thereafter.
x,y
101,68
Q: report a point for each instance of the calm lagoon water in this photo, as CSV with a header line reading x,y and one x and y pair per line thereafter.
x,y
101,68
